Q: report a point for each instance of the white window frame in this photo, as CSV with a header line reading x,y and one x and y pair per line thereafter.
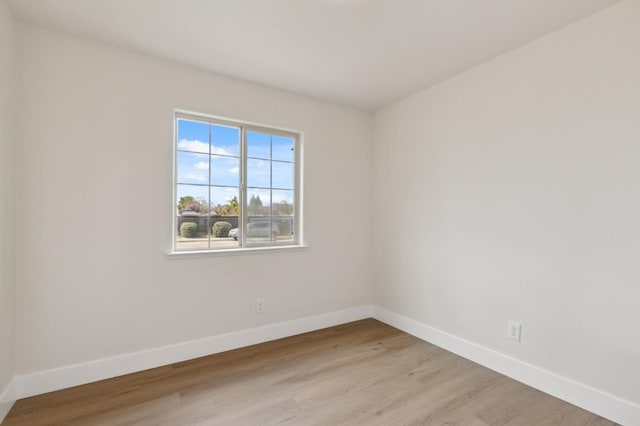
x,y
243,244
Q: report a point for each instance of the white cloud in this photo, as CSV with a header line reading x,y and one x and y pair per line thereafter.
x,y
219,150
202,147
198,177
193,145
202,165
234,170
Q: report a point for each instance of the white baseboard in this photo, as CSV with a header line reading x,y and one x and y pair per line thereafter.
x,y
594,400
7,399
73,375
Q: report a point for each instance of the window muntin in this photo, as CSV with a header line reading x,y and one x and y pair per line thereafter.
x,y
214,160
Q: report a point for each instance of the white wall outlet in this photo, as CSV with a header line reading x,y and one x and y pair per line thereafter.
x,y
513,330
259,305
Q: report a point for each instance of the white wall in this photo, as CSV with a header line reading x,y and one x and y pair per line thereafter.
x,y
515,189
7,223
95,182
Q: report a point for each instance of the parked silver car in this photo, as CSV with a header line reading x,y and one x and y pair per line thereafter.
x,y
261,229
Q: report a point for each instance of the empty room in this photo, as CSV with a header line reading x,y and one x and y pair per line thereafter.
x,y
320,212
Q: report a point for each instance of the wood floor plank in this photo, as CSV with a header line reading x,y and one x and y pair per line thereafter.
x,y
362,373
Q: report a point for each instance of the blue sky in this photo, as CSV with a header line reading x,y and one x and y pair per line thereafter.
x,y
201,164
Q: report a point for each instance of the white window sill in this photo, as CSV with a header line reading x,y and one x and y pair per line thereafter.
x,y
233,251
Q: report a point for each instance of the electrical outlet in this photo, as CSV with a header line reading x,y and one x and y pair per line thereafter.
x,y
513,330
259,305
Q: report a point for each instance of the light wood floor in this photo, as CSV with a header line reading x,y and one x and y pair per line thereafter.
x,y
362,373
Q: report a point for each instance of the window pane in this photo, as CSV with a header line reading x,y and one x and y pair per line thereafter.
x,y
282,175
258,202
262,229
192,198
225,170
224,220
282,203
283,214
193,217
193,136
224,200
258,145
258,173
282,148
225,140
192,168
284,227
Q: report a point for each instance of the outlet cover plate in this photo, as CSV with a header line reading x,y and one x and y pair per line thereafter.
x,y
514,330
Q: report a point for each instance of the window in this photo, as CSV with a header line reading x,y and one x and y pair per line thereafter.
x,y
236,185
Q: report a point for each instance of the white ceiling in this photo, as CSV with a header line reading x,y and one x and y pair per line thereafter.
x,y
362,53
